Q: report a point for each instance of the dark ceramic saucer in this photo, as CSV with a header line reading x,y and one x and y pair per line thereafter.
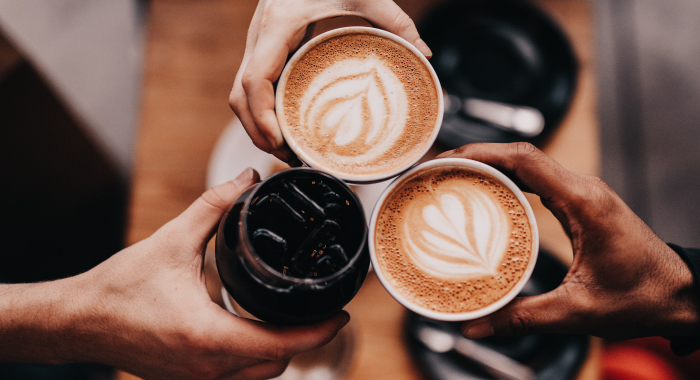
x,y
506,51
551,356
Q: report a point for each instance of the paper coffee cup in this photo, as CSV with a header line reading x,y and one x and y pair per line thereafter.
x,y
364,104
453,225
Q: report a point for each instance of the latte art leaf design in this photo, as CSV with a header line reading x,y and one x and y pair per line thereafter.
x,y
362,114
358,108
462,234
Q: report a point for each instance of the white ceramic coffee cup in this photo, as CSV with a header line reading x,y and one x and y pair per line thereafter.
x,y
473,166
303,156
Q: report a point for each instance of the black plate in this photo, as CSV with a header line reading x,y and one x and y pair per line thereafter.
x,y
502,50
551,356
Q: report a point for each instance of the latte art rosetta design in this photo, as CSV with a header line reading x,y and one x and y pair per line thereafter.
x,y
452,239
358,108
462,233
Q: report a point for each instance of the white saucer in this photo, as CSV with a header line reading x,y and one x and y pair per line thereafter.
x,y
234,152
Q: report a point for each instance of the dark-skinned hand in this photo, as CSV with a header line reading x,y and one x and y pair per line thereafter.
x,y
624,281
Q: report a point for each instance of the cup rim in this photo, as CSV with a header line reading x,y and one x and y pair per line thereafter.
x,y
281,120
291,280
474,314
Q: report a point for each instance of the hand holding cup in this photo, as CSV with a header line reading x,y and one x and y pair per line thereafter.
x,y
146,310
276,30
624,281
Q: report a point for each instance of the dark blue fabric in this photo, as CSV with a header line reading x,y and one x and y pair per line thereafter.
x,y
682,346
77,371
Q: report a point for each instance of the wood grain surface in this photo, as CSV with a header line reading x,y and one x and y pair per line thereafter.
x,y
194,49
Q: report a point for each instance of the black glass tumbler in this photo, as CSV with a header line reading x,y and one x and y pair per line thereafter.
x,y
293,250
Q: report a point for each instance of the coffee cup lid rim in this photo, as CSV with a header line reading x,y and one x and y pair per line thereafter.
x,y
306,159
291,280
469,315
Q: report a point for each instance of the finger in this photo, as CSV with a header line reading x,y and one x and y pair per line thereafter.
x,y
266,370
198,222
254,27
528,166
547,313
265,341
274,43
387,15
264,68
287,155
239,104
228,365
307,37
238,100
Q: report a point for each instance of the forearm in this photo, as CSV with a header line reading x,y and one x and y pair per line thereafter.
x,y
38,322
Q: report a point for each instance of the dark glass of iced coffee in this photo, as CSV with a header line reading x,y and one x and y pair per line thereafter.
x,y
293,249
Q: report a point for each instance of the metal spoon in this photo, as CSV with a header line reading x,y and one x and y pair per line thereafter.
x,y
492,361
525,121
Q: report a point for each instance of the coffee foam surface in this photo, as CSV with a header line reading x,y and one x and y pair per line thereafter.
x,y
360,104
452,240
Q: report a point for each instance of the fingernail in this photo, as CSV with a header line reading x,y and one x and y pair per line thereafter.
x,y
244,178
478,331
423,48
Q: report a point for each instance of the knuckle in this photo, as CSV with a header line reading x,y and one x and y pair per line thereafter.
x,y
234,101
277,351
518,324
268,15
248,80
213,198
462,150
403,23
597,182
597,193
526,150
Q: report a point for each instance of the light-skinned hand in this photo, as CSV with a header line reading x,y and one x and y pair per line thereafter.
x,y
146,310
624,281
277,29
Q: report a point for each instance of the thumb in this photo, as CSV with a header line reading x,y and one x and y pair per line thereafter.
x,y
532,170
268,342
547,313
198,222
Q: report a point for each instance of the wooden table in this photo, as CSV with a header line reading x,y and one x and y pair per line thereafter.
x,y
193,52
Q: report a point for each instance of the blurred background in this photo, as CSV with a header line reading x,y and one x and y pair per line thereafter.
x,y
84,84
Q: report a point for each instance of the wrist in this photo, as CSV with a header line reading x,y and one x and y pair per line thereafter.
x,y
36,322
80,328
68,309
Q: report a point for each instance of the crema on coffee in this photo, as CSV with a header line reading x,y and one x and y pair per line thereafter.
x,y
360,104
452,240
